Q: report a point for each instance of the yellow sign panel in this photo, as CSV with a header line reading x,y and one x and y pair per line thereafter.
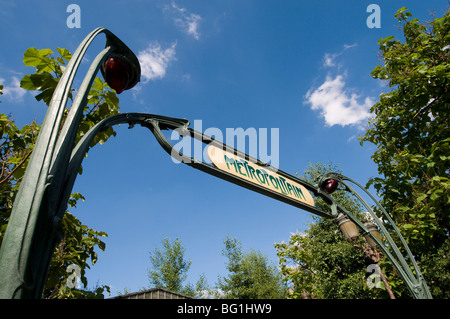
x,y
258,175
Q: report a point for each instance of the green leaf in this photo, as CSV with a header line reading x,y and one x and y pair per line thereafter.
x,y
61,61
64,54
97,84
422,69
45,96
33,57
436,194
27,83
101,245
112,100
421,198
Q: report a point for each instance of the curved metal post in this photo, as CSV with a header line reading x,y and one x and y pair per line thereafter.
x,y
32,230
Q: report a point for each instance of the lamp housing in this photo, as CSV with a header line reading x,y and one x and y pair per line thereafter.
x,y
372,227
347,227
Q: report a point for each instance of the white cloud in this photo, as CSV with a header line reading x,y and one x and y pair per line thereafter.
x,y
154,61
337,105
330,58
13,91
348,46
189,23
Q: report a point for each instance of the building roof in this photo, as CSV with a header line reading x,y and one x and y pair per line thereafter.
x,y
153,293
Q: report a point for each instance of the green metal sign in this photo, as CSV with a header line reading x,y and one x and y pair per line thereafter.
x,y
259,175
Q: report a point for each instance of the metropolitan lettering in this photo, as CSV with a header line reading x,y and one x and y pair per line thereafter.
x,y
264,176
243,168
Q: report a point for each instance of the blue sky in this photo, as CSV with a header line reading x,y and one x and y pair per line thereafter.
x,y
302,67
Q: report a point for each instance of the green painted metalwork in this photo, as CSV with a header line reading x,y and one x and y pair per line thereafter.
x,y
33,229
156,123
410,273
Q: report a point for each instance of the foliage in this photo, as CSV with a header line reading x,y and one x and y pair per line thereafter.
x,y
438,270
102,100
169,269
251,275
410,130
16,146
320,263
323,265
76,247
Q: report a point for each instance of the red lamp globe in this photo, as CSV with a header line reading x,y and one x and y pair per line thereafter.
x,y
117,73
330,185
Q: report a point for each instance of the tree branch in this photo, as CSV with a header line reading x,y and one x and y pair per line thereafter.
x,y
16,168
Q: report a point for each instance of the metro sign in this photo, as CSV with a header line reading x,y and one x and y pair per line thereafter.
x,y
259,175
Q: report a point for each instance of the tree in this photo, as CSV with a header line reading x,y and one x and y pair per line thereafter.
x,y
169,269
411,133
79,241
16,145
320,263
77,247
251,275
